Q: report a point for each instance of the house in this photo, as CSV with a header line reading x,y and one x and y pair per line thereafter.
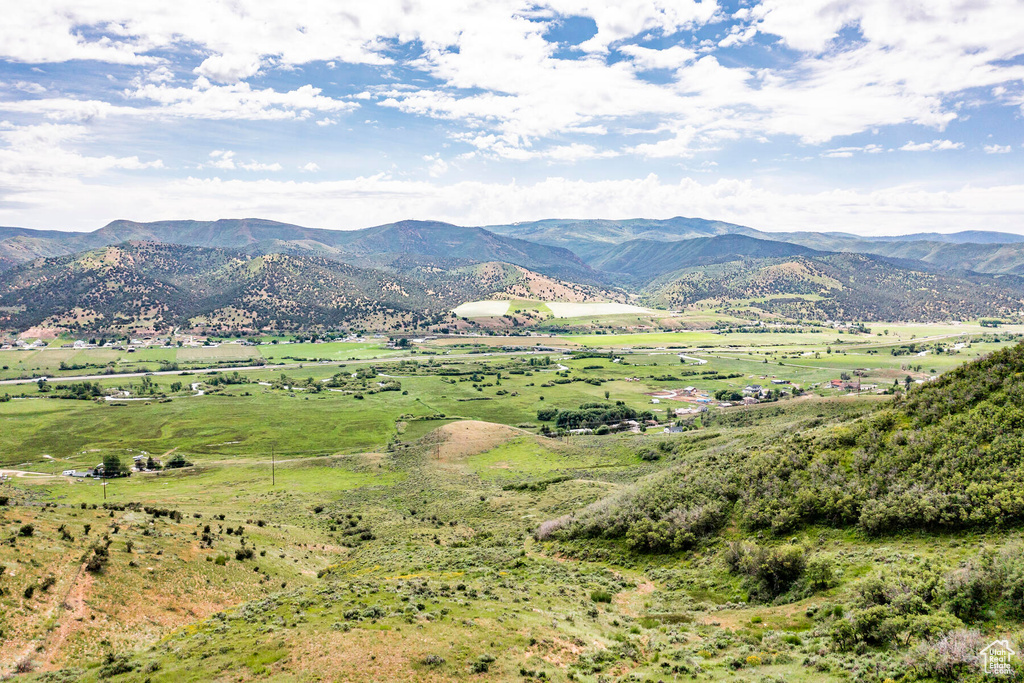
x,y
654,400
780,381
749,400
672,429
752,389
80,344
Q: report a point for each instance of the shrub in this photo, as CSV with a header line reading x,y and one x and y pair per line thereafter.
x,y
26,530
601,596
950,658
768,573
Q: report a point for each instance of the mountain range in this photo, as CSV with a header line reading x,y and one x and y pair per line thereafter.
x,y
260,274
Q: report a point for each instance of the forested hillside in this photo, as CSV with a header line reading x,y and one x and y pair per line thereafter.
x,y
154,285
842,287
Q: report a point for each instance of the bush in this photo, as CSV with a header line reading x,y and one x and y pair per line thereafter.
x,y
601,596
547,414
768,573
950,658
26,530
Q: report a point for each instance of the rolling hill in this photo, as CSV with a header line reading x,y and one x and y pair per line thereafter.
x,y
147,285
841,286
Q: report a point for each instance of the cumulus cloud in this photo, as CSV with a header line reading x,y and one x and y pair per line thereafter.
x,y
497,72
933,146
997,149
228,68
43,152
490,82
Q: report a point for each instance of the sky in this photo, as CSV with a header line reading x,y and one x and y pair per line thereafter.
x,y
866,116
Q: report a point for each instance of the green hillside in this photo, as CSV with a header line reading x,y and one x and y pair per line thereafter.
x,y
840,287
643,260
943,456
146,285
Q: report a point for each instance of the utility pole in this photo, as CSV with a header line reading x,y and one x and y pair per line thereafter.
x,y
273,467
103,485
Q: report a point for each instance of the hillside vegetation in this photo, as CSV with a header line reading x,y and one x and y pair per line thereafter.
x,y
944,456
841,287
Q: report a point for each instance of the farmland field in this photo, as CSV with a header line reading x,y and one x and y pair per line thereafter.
x,y
392,506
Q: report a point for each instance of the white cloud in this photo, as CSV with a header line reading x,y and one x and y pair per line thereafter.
x,y
670,58
311,167
237,101
229,68
846,152
221,158
933,146
67,109
40,152
26,87
997,149
257,166
71,202
224,159
438,166
498,74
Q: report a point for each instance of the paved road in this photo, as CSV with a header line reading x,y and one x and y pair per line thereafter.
x,y
311,363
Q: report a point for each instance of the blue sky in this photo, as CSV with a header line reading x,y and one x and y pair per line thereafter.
x,y
869,116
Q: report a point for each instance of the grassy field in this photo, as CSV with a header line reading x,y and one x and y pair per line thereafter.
x,y
56,362
392,532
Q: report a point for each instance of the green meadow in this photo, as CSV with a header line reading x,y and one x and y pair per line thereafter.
x,y
334,530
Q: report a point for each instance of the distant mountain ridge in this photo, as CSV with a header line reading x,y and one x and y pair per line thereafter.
x,y
643,260
259,236
260,274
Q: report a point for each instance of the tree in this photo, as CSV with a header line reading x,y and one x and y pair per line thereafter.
x,y
43,386
906,382
112,466
177,460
